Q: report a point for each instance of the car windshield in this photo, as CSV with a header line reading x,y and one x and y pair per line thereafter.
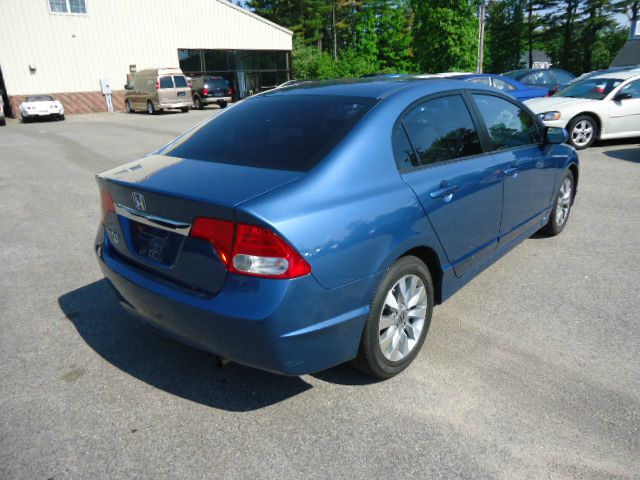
x,y
40,98
285,132
591,88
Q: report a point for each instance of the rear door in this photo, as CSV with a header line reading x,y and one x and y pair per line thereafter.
x,y
529,168
166,90
440,156
182,90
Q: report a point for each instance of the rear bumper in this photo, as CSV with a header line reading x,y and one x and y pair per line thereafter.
x,y
215,99
185,103
290,327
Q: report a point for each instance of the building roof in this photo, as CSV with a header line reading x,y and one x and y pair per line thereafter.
x,y
629,54
254,16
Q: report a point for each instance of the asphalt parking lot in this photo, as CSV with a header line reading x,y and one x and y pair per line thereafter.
x,y
531,371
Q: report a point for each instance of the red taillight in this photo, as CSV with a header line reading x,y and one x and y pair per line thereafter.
x,y
157,85
217,232
206,91
230,90
108,205
251,250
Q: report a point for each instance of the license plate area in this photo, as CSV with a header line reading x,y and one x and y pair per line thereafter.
x,y
182,94
155,244
219,94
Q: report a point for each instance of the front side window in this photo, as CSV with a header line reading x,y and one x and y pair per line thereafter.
x,y
68,6
442,129
633,89
509,125
166,82
284,132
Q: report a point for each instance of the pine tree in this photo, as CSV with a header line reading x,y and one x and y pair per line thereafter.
x,y
445,34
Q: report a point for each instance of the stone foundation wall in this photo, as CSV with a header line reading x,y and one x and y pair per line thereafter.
x,y
77,102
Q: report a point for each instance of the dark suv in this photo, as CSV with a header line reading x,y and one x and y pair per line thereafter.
x,y
208,90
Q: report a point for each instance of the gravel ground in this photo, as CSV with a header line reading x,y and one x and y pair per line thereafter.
x,y
531,371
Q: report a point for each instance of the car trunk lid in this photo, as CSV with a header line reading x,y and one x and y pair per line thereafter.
x,y
155,202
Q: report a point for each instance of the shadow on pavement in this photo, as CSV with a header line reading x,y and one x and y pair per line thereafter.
x,y
629,154
149,356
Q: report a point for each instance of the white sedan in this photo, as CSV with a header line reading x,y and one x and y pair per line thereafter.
x,y
602,107
41,106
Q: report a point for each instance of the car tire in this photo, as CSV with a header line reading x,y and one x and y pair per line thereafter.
x,y
583,131
559,215
61,117
130,108
197,103
222,104
151,110
25,119
184,109
393,336
3,122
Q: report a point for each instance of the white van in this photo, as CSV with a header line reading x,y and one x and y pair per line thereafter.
x,y
155,89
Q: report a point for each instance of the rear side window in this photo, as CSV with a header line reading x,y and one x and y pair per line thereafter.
x,y
442,129
502,85
541,77
180,81
509,125
166,82
480,80
285,132
402,149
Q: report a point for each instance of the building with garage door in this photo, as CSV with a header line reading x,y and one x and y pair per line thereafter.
x,y
72,48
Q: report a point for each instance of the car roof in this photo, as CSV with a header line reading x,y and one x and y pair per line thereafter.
x,y
375,88
622,75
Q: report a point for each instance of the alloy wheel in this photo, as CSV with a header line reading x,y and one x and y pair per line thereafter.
x,y
402,318
582,133
564,202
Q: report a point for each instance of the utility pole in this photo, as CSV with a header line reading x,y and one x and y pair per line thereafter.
x,y
481,20
335,34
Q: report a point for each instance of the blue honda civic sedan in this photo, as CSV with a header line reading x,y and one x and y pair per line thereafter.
x,y
321,223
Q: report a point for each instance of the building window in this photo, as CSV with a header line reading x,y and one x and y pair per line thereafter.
x,y
68,6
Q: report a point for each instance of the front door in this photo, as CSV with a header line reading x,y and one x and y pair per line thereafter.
x,y
529,169
624,115
459,187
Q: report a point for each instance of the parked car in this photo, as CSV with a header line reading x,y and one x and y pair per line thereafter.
x,y
41,106
157,89
330,230
3,122
207,90
553,79
506,84
603,107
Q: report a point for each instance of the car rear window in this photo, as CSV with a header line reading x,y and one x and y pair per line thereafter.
x,y
166,82
285,132
217,83
180,81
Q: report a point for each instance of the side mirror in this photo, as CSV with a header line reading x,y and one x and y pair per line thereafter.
x,y
555,135
622,96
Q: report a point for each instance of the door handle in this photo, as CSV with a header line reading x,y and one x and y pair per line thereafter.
x,y
511,172
446,193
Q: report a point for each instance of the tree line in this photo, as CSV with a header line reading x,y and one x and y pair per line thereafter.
x,y
353,38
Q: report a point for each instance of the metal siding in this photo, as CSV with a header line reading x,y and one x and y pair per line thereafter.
x,y
115,34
